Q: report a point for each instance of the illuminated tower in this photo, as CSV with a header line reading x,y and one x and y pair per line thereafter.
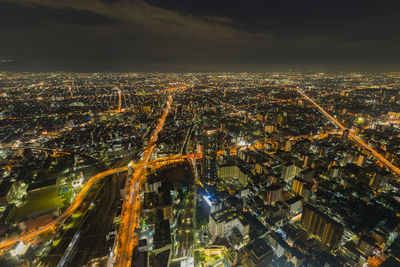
x,y
210,148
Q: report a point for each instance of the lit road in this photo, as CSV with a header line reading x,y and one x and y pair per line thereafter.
x,y
126,239
382,159
71,209
84,192
79,199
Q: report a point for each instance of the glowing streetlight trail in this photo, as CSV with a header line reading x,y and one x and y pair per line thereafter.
x,y
83,193
71,209
79,199
353,136
126,239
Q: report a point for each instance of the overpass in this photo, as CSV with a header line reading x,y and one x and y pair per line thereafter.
x,y
67,213
122,252
79,199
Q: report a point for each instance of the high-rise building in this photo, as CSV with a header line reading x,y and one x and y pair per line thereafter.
x,y
328,231
289,171
210,148
306,161
301,187
273,194
233,171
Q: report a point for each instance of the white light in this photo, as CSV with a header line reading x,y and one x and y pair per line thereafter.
x,y
207,199
242,143
17,249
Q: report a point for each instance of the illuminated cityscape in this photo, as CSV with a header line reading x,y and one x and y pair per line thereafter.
x,y
152,133
200,169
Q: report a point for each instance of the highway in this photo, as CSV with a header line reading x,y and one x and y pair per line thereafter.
x,y
360,142
78,201
71,209
126,239
80,198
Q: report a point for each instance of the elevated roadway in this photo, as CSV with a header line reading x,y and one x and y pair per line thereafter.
x,y
126,239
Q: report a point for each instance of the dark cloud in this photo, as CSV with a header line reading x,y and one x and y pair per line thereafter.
x,y
174,35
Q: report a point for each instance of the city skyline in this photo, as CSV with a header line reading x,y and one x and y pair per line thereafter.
x,y
265,169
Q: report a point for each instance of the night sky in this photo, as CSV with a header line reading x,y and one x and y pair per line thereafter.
x,y
202,35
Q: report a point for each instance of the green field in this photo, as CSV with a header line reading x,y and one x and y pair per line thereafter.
x,y
37,202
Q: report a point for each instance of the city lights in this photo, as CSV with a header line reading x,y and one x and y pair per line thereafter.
x,y
196,169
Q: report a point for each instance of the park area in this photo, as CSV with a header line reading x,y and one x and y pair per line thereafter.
x,y
40,201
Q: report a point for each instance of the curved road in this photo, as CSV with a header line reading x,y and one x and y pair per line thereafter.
x,y
71,209
85,190
83,193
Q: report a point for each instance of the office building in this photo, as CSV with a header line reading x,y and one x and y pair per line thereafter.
x,y
22,251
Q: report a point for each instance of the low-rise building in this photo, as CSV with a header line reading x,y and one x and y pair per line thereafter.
x,y
257,253
295,205
7,190
39,219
